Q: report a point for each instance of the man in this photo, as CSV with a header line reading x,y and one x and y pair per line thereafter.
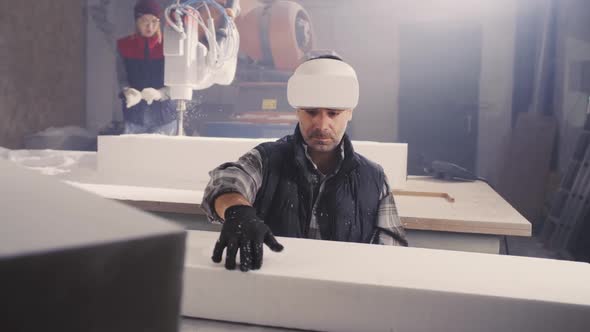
x,y
310,184
141,75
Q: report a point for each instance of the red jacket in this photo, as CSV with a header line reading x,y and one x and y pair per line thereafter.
x,y
143,59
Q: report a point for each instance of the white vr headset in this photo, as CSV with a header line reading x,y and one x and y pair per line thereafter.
x,y
323,83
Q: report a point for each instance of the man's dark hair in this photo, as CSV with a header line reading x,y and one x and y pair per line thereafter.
x,y
327,56
322,55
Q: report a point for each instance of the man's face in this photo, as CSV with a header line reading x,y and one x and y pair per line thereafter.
x,y
147,25
322,128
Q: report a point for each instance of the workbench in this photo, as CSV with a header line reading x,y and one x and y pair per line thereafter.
x,y
475,222
159,174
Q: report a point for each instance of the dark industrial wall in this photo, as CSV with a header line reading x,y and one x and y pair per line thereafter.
x,y
571,83
368,35
41,67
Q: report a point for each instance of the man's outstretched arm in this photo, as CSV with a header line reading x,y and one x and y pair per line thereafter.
x,y
233,183
228,198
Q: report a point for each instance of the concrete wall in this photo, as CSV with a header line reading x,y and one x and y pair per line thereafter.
x,y
41,67
367,35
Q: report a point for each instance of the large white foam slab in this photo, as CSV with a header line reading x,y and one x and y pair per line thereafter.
x,y
334,286
184,162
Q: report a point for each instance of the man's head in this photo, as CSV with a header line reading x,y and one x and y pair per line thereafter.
x,y
324,90
147,17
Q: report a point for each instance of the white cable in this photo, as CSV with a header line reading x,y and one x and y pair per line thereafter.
x,y
219,52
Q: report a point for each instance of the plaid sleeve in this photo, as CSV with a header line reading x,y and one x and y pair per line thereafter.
x,y
389,229
243,176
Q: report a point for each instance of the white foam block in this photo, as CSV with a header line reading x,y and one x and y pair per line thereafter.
x,y
185,162
335,286
146,194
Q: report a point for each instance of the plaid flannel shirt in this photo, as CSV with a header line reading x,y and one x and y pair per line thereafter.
x,y
245,177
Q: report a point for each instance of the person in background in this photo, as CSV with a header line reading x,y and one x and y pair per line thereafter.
x,y
140,69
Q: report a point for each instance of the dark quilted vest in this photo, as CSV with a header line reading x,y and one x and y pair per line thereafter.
x,y
346,210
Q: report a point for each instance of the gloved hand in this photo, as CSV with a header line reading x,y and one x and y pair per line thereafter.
x,y
244,231
151,94
132,97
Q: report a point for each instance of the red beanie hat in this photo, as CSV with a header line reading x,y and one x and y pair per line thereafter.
x,y
143,7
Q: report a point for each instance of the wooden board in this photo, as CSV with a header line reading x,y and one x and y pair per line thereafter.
x,y
477,207
335,286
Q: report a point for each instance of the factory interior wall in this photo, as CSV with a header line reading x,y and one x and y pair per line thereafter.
x,y
41,67
371,44
51,76
573,47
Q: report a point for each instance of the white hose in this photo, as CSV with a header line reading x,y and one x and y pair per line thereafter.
x,y
220,51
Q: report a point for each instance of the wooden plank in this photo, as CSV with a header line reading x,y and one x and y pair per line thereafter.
x,y
477,207
462,226
335,286
440,225
446,196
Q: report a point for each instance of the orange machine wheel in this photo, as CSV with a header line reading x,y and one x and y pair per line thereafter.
x,y
277,34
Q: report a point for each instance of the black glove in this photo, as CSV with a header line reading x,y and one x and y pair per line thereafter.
x,y
243,230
